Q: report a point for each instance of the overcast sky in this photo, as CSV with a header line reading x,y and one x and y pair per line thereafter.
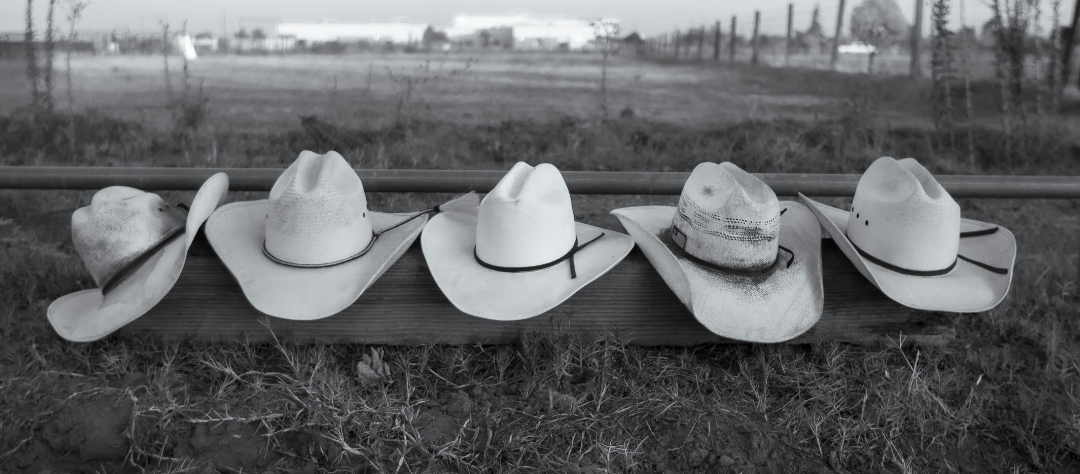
x,y
649,17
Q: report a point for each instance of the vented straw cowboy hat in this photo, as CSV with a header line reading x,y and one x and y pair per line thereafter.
x,y
134,244
745,264
313,247
904,233
519,253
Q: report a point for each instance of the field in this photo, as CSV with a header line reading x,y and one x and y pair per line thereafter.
x,y
1001,397
261,93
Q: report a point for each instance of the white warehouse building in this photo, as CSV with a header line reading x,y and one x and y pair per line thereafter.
x,y
398,32
534,31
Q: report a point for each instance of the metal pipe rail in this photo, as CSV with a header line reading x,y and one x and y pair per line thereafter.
x,y
456,181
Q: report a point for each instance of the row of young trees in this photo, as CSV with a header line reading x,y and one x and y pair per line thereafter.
x,y
1028,66
39,70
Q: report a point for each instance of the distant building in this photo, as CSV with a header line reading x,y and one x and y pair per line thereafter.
x,y
373,32
205,42
85,42
277,44
528,32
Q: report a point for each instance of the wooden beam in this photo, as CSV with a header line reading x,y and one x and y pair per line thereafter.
x,y
836,38
458,181
405,306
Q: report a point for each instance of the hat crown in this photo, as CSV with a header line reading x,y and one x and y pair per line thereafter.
x,y
527,219
119,227
902,215
728,217
317,212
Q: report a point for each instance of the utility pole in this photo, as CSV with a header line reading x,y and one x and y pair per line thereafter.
x,y
915,70
731,42
836,38
753,42
716,43
787,47
1070,42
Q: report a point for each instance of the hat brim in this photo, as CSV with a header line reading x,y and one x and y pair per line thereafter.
x,y
448,243
236,231
966,289
89,315
773,307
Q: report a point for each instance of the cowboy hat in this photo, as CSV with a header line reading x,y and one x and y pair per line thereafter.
x,y
904,233
745,264
519,253
134,244
313,247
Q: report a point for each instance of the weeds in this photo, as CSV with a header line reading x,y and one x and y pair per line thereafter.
x,y
190,111
33,73
422,75
50,58
165,46
605,32
941,66
75,11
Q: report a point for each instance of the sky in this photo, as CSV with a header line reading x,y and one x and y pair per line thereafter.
x,y
648,17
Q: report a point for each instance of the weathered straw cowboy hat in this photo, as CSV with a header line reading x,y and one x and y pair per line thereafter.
x,y
519,253
745,264
905,234
134,244
312,249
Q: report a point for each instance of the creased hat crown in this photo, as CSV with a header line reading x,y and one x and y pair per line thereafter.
x,y
317,214
727,217
901,215
121,226
527,219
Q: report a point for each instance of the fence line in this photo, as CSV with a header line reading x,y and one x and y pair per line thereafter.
x,y
457,181
785,37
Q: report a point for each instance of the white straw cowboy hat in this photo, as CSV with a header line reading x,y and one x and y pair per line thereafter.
x,y
134,244
904,233
745,264
313,247
519,253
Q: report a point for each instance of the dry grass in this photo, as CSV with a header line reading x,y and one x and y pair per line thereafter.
x,y
267,93
1000,398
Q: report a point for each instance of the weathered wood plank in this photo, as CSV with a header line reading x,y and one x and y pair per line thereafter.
x,y
405,306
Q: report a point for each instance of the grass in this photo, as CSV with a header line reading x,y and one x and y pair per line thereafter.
x,y
267,93
1001,397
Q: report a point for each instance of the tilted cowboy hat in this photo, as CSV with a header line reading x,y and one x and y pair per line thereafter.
x,y
904,233
313,247
745,264
134,244
519,253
